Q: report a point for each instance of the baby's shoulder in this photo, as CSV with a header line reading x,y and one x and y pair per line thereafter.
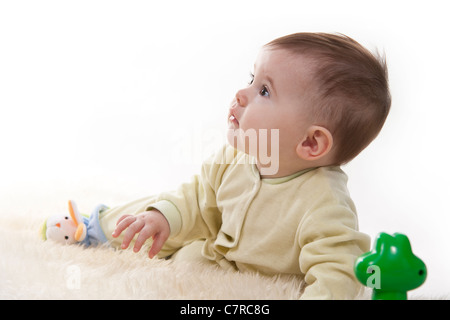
x,y
327,177
326,185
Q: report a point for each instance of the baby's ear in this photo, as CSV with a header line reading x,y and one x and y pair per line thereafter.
x,y
316,144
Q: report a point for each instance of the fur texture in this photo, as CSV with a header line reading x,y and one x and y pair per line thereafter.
x,y
31,268
34,269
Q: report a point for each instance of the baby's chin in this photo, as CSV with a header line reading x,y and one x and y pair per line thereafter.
x,y
240,139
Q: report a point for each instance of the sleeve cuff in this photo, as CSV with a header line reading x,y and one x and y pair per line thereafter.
x,y
171,213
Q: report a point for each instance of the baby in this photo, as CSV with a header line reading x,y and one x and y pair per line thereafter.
x,y
315,101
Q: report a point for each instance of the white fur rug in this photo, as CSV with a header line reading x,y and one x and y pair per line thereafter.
x,y
34,269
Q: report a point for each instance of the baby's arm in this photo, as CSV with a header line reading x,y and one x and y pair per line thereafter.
x,y
330,243
148,224
188,213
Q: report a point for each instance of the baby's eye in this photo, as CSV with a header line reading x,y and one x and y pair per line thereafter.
x,y
264,92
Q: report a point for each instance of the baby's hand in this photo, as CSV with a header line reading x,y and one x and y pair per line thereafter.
x,y
148,224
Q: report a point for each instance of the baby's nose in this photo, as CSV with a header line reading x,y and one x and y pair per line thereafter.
x,y
241,98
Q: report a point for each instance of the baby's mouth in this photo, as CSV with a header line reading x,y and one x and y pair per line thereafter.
x,y
232,119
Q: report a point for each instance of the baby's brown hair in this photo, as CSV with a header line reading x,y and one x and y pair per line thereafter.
x,y
352,97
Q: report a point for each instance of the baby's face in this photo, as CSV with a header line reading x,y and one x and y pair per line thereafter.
x,y
276,99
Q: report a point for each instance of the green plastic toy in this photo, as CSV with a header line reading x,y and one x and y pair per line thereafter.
x,y
390,269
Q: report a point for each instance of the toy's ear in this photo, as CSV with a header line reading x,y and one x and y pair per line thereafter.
x,y
43,230
74,214
80,233
403,243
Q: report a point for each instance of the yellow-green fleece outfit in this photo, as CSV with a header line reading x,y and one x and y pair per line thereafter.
x,y
304,224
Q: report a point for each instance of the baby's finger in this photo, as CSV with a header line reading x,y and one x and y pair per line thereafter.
x,y
123,217
133,228
122,224
158,241
145,234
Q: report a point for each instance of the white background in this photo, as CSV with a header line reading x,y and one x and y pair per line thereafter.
x,y
125,98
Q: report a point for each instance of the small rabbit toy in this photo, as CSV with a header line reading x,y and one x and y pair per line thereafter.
x,y
74,228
